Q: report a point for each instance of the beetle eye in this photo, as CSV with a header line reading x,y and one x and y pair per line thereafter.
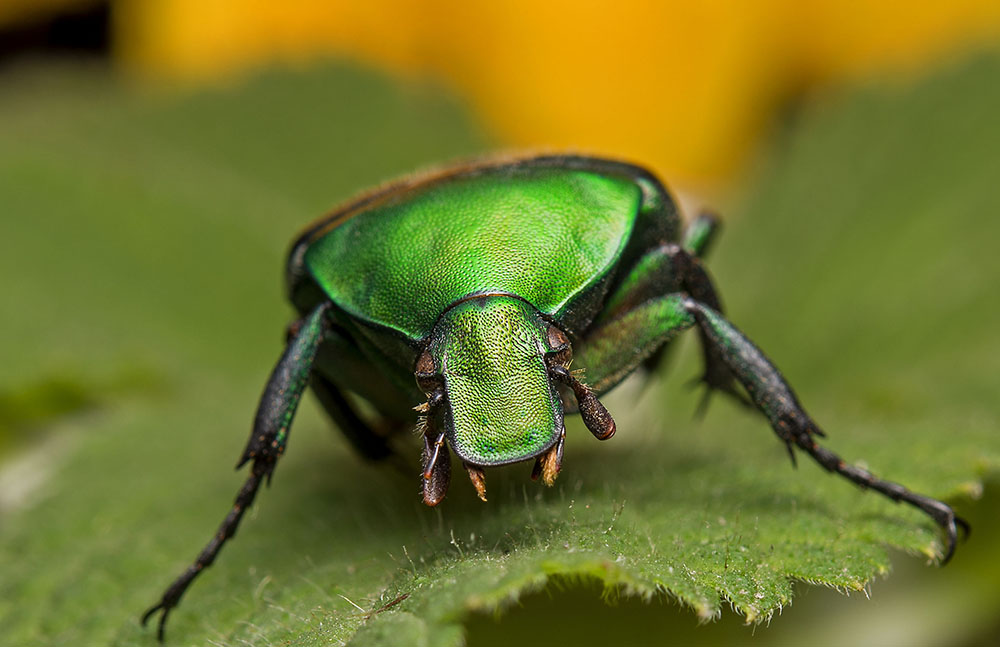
x,y
557,339
560,350
427,378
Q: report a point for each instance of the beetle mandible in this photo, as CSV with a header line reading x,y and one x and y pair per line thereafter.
x,y
468,292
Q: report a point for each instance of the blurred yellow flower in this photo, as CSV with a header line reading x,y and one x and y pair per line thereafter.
x,y
684,86
14,12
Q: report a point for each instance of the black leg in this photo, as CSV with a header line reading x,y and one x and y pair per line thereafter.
x,y
612,351
368,442
775,399
258,471
696,282
266,444
700,234
436,475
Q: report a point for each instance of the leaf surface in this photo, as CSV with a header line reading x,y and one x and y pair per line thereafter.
x,y
144,237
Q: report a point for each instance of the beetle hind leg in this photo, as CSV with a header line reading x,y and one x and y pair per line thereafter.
x,y
701,233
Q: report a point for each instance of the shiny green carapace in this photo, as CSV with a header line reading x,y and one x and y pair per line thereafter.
x,y
466,295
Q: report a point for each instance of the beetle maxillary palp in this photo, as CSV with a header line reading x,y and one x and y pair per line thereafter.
x,y
595,416
548,464
478,478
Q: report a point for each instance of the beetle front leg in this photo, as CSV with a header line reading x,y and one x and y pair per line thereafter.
x,y
341,366
436,476
266,444
611,352
775,399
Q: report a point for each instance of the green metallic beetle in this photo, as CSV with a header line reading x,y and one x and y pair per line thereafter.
x,y
483,282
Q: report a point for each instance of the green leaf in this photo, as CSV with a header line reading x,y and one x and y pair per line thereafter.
x,y
144,236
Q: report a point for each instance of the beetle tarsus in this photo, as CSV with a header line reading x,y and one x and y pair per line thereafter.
x,y
940,512
267,443
160,627
244,499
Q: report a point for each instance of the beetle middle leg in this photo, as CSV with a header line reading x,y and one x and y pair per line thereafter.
x,y
365,440
672,268
266,445
614,349
701,233
341,366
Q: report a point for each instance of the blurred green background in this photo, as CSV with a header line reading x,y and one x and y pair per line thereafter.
x,y
144,220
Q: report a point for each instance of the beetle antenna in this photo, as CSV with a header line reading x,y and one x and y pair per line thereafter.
x,y
595,416
478,478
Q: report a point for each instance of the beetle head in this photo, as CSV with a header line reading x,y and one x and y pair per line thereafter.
x,y
500,405
491,369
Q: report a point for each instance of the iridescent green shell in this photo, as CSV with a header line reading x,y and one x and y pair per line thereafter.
x,y
404,268
548,230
